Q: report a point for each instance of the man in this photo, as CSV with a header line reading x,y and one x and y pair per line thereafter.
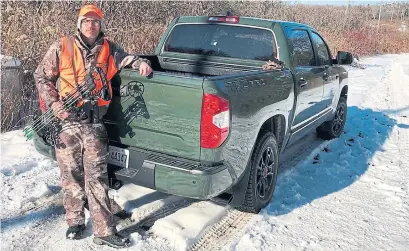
x,y
82,151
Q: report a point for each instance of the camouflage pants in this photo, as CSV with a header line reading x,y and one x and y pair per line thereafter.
x,y
82,156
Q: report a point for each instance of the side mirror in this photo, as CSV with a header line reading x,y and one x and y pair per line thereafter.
x,y
344,57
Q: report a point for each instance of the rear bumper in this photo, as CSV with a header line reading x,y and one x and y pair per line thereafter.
x,y
164,173
173,175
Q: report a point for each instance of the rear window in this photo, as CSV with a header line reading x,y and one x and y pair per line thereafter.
x,y
221,40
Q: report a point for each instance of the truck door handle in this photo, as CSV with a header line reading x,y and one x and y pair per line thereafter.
x,y
303,82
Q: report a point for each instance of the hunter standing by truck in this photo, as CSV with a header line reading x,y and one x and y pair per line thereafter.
x,y
82,151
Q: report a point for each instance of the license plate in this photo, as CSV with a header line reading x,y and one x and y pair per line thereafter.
x,y
118,156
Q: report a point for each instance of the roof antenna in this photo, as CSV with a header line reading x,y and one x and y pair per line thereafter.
x,y
229,14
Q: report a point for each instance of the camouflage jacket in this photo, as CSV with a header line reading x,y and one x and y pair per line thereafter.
x,y
47,73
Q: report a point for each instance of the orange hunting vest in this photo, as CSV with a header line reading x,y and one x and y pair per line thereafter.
x,y
72,69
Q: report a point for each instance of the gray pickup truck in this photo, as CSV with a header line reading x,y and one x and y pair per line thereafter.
x,y
210,122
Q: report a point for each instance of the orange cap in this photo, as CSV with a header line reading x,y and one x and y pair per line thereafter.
x,y
91,8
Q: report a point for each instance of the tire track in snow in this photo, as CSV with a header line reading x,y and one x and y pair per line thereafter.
x,y
222,232
399,108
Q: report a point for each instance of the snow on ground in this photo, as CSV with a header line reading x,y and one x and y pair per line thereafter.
x,y
346,194
26,174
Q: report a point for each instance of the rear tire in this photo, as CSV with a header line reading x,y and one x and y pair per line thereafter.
x,y
334,128
263,174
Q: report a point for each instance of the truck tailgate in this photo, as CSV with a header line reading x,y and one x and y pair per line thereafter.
x,y
161,113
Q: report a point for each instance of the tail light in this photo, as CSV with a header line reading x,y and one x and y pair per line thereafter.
x,y
215,122
223,19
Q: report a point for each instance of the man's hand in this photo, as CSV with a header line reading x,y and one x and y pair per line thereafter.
x,y
58,110
144,69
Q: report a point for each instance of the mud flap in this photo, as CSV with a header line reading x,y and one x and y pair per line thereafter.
x,y
239,190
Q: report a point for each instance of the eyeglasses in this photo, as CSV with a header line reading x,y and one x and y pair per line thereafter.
x,y
91,22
